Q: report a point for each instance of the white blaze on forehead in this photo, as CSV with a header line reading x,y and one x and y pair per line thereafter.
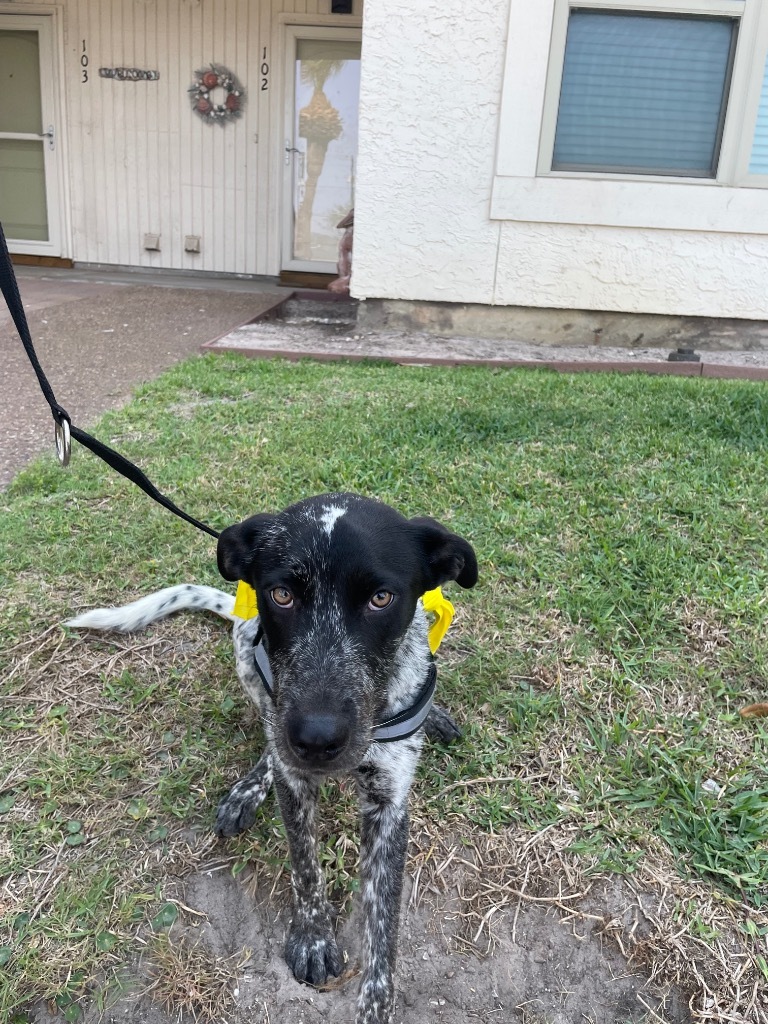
x,y
330,514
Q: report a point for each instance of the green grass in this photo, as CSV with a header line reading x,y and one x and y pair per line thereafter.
x,y
599,667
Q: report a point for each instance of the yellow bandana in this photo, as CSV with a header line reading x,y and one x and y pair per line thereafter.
x,y
436,606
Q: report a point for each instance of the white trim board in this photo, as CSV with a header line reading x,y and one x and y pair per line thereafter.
x,y
630,204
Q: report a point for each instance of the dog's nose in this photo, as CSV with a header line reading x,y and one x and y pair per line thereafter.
x,y
318,736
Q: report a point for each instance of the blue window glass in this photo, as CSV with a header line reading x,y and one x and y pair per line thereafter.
x,y
643,93
759,162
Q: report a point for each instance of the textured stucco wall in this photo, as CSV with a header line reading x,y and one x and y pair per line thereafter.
x,y
431,93
687,273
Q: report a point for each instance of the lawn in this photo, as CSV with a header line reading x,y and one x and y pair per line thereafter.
x,y
599,669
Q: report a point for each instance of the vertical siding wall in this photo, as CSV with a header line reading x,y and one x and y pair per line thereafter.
x,y
141,161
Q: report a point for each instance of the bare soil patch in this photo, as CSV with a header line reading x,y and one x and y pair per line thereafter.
x,y
227,964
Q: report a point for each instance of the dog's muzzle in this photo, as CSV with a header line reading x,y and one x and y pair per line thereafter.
x,y
322,737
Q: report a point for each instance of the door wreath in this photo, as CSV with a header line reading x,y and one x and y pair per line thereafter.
x,y
217,77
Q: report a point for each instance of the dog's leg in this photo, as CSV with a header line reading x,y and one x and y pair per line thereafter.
x,y
237,810
310,949
384,789
384,843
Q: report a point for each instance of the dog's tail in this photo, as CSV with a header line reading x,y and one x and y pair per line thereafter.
x,y
157,606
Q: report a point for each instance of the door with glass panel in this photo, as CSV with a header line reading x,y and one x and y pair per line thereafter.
x,y
28,164
320,151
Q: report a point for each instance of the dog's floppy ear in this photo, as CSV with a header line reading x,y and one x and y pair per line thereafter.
x,y
448,556
238,547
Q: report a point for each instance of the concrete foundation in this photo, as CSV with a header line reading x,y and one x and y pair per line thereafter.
x,y
558,327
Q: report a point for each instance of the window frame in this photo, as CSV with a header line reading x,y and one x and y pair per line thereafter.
x,y
525,188
737,103
552,108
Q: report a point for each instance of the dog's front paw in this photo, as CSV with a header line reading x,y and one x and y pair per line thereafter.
x,y
234,815
237,810
376,1002
440,726
312,954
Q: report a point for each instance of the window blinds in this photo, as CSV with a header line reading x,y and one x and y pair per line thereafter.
x,y
643,93
759,162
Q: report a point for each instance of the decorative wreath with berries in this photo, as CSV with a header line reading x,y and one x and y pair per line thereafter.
x,y
209,79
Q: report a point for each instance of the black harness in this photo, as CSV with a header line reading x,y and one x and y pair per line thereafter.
x,y
397,727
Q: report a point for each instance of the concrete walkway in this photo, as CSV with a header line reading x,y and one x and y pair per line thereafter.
x,y
99,335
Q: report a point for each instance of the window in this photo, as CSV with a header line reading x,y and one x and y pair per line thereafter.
x,y
635,113
643,93
657,88
758,163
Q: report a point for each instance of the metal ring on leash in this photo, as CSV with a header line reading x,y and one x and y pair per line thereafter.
x,y
63,441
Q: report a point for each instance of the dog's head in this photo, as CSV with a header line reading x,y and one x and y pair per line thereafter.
x,y
338,578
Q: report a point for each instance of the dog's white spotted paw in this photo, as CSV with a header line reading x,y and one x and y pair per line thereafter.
x,y
440,726
312,954
237,811
234,816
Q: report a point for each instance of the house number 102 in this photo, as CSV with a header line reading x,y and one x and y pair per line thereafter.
x,y
264,71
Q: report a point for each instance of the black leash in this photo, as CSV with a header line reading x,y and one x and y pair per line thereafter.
x,y
61,418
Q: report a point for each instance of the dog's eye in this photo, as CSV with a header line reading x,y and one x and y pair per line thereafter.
x,y
381,599
282,597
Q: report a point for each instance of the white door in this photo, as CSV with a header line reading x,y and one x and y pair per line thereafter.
x,y
29,204
320,151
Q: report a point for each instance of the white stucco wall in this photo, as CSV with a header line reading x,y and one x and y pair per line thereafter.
x,y
451,114
430,93
683,273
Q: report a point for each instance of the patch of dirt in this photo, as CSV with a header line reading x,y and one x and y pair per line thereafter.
x,y
543,969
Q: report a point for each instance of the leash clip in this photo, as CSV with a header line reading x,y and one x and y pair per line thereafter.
x,y
63,441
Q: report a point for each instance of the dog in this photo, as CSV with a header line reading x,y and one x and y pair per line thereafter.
x,y
338,663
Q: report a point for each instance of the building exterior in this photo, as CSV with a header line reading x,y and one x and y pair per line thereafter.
x,y
133,175
568,154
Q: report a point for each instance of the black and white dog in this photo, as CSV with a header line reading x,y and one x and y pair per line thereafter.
x,y
339,664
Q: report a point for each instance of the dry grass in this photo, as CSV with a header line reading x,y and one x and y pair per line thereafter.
x,y
192,979
95,826
678,933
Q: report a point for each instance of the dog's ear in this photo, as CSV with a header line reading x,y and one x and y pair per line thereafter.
x,y
448,556
238,547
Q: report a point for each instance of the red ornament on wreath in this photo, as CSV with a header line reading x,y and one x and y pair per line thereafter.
x,y
215,77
